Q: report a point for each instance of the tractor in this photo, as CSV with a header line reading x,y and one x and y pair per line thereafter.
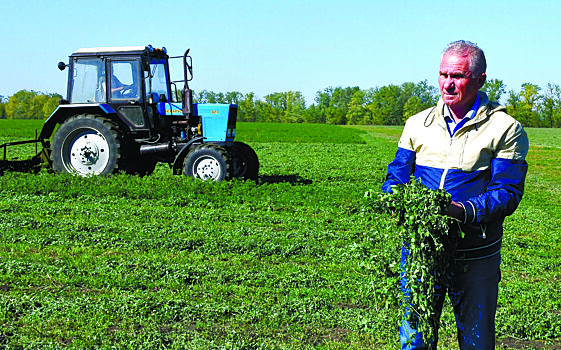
x,y
123,113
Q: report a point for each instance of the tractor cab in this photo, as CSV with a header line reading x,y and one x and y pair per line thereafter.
x,y
127,79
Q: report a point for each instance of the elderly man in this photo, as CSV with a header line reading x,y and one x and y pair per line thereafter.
x,y
470,147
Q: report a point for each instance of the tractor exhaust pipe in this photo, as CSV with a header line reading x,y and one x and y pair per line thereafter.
x,y
154,149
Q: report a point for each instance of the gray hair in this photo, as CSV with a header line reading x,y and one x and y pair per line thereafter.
x,y
477,63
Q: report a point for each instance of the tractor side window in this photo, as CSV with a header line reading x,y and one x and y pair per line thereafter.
x,y
124,80
88,81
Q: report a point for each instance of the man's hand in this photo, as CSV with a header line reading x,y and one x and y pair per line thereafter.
x,y
456,211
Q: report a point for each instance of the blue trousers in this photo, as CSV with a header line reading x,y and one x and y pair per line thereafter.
x,y
473,294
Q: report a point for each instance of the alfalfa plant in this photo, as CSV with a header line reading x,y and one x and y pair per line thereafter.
x,y
429,238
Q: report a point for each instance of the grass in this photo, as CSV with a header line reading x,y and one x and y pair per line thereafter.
x,y
289,262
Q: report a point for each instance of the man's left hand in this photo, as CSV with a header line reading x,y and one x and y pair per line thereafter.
x,y
456,211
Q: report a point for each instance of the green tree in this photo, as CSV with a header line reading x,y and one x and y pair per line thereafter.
x,y
220,98
2,107
295,107
247,111
428,94
342,96
513,104
275,107
494,88
323,101
336,116
339,100
205,96
531,104
39,103
50,105
233,97
386,106
313,114
411,107
285,107
266,112
21,105
356,109
417,97
323,98
551,106
525,106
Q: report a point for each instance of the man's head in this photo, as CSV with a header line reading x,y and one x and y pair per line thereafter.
x,y
462,74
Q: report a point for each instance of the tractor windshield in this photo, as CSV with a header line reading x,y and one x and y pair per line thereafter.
x,y
158,79
88,81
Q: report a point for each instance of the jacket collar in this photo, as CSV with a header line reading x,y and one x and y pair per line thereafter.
x,y
486,109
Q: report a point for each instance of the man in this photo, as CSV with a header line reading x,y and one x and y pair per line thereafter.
x,y
470,147
117,87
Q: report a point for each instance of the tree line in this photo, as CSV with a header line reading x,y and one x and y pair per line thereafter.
x,y
28,105
386,105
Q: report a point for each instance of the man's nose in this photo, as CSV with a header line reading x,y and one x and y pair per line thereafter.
x,y
448,83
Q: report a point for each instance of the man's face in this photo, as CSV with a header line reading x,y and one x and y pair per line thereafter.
x,y
458,86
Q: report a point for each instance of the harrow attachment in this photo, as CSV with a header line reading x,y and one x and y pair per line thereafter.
x,y
32,165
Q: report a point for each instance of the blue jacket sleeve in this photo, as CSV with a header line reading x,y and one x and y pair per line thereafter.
x,y
503,194
400,169
506,186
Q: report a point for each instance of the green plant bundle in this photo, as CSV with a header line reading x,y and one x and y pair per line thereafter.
x,y
430,238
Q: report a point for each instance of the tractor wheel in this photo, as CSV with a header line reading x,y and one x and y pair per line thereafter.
x,y
208,162
245,162
86,145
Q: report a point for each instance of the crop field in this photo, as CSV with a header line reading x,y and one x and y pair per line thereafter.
x,y
288,262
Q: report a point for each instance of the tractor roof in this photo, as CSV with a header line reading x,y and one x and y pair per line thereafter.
x,y
134,50
111,49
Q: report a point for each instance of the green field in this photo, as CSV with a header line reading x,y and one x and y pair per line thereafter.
x,y
290,262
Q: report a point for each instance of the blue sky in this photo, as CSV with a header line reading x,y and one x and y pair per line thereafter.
x,y
273,46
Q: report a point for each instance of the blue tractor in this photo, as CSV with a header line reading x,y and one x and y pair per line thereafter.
x,y
124,113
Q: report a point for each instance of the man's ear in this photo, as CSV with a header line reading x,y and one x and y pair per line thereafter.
x,y
481,80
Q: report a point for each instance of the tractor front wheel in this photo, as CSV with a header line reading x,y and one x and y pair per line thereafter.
x,y
208,162
86,145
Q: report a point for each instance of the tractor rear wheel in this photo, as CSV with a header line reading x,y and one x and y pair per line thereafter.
x,y
86,145
208,162
245,162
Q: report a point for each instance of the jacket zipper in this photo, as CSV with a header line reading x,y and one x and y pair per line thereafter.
x,y
445,172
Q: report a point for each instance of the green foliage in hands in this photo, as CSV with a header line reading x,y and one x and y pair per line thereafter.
x,y
430,238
